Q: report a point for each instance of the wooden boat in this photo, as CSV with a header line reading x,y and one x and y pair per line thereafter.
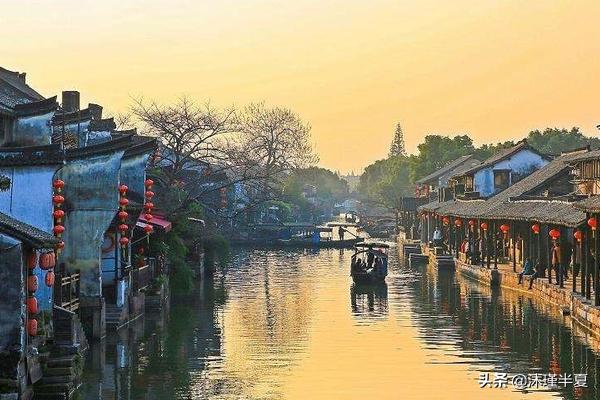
x,y
375,268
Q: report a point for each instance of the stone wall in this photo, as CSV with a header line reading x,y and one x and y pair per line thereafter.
x,y
582,312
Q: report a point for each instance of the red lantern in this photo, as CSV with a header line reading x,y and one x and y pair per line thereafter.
x,y
148,217
123,227
504,228
31,260
58,229
592,223
32,283
148,206
446,220
123,189
60,245
148,229
149,194
149,183
45,261
123,202
554,234
32,327
58,200
471,222
578,235
123,215
535,228
32,305
58,184
484,226
124,241
50,277
58,214
458,222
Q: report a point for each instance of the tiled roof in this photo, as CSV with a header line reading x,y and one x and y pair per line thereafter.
x,y
591,204
31,155
104,125
499,156
14,90
26,233
456,166
508,205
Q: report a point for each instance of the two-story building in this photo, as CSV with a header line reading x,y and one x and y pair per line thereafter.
x,y
498,172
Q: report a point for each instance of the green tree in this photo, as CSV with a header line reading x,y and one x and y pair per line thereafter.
x,y
436,151
398,148
557,140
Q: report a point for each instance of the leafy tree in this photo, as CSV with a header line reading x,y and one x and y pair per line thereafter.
x,y
556,140
398,147
436,151
329,188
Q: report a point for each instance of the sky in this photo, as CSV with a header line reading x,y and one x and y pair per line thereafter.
x,y
351,68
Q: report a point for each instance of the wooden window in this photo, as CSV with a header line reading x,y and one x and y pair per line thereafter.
x,y
501,179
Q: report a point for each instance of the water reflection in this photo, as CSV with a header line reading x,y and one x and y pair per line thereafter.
x,y
369,300
276,325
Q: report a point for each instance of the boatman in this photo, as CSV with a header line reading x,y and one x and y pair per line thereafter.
x,y
341,232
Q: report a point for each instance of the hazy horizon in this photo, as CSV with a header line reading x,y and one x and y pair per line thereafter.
x,y
352,69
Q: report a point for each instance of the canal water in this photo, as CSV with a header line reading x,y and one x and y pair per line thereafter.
x,y
290,325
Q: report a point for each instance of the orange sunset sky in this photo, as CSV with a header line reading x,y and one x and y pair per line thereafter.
x,y
492,69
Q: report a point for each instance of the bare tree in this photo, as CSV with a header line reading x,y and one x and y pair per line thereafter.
x,y
275,138
254,147
188,133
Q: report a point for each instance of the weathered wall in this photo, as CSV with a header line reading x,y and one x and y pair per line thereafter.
x,y
12,300
91,199
133,173
95,137
33,130
29,199
522,162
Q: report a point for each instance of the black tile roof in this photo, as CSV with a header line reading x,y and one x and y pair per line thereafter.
x,y
500,156
26,233
36,107
31,155
14,90
591,204
141,145
508,204
103,125
457,166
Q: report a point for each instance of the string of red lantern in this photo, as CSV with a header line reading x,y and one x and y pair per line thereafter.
x,y
32,287
148,206
122,215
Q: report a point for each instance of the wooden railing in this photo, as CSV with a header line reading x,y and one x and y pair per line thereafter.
x,y
142,276
66,291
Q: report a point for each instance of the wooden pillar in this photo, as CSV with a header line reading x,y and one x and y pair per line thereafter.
x,y
514,246
488,247
495,243
482,246
576,261
588,266
596,270
549,249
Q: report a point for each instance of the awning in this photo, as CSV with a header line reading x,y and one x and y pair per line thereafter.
x,y
156,222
